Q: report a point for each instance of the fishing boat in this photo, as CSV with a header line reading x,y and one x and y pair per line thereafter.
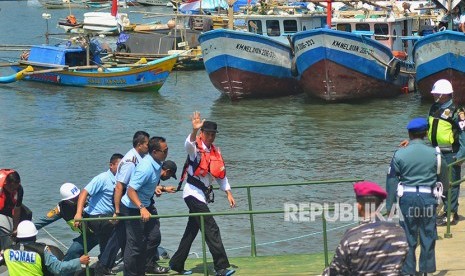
x,y
440,56
153,2
68,65
255,62
16,76
363,57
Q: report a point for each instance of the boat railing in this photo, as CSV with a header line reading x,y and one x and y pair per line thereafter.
x,y
450,166
249,212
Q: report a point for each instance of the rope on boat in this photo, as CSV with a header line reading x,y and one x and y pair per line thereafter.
x,y
55,239
294,238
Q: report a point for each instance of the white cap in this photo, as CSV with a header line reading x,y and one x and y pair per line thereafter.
x,y
442,87
68,191
26,229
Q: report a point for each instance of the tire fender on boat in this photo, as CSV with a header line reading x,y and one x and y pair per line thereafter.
x,y
123,48
394,68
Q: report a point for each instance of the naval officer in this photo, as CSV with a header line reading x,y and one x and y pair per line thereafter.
x,y
414,177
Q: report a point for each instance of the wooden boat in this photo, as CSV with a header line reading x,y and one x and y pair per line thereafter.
x,y
440,56
245,65
17,76
63,65
356,60
105,22
256,63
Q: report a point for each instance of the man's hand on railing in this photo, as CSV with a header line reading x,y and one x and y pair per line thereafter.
x,y
114,221
77,223
144,214
84,259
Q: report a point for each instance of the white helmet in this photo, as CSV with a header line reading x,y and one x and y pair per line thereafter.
x,y
26,229
68,191
442,87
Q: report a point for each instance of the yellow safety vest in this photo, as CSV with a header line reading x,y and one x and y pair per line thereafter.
x,y
23,262
444,132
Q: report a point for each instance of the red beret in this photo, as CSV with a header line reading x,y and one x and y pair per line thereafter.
x,y
367,188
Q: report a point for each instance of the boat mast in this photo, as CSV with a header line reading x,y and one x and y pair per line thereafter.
x,y
328,14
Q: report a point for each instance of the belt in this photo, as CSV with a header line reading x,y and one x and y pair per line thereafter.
x,y
418,189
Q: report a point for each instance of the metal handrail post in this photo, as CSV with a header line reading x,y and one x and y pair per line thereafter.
x,y
325,240
84,241
253,247
450,166
204,248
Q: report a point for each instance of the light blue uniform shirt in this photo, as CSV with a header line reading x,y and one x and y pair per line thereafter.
x,y
100,190
127,165
144,180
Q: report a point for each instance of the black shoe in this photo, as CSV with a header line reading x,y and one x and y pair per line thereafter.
x,y
225,272
101,271
157,270
441,222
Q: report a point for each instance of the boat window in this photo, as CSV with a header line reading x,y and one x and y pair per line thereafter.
x,y
381,31
255,26
344,27
75,59
290,26
362,27
272,28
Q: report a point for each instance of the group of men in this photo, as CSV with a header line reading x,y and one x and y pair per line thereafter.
x,y
415,182
128,188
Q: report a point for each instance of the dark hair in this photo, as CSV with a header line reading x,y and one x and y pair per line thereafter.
x,y
139,137
13,178
154,143
115,157
369,199
417,134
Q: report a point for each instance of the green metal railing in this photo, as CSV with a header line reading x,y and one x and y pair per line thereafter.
x,y
450,166
250,212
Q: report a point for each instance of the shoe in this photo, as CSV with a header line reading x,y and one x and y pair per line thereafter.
x,y
225,272
101,271
181,271
455,218
157,270
441,222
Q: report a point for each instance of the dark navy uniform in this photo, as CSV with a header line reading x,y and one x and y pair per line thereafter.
x,y
416,167
446,126
374,247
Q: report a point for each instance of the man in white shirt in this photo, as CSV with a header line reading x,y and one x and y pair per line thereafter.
x,y
205,165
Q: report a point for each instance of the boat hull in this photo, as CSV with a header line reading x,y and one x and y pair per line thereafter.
x,y
441,56
148,77
244,65
338,66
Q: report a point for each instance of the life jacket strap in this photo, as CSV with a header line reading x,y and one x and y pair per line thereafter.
x,y
208,191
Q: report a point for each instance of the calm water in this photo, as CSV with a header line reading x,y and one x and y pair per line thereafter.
x,y
54,134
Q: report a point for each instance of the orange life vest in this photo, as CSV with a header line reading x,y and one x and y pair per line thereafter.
x,y
3,175
210,162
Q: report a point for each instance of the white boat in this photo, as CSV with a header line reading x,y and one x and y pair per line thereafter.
x,y
104,22
153,2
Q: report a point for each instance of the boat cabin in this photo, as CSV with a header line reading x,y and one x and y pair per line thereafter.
x,y
61,55
388,27
280,26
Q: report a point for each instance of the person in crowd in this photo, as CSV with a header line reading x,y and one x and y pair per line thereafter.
x,y
375,247
446,131
205,164
117,241
454,16
99,191
416,176
11,200
28,257
143,236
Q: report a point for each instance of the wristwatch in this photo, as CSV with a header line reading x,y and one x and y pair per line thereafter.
x,y
141,206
